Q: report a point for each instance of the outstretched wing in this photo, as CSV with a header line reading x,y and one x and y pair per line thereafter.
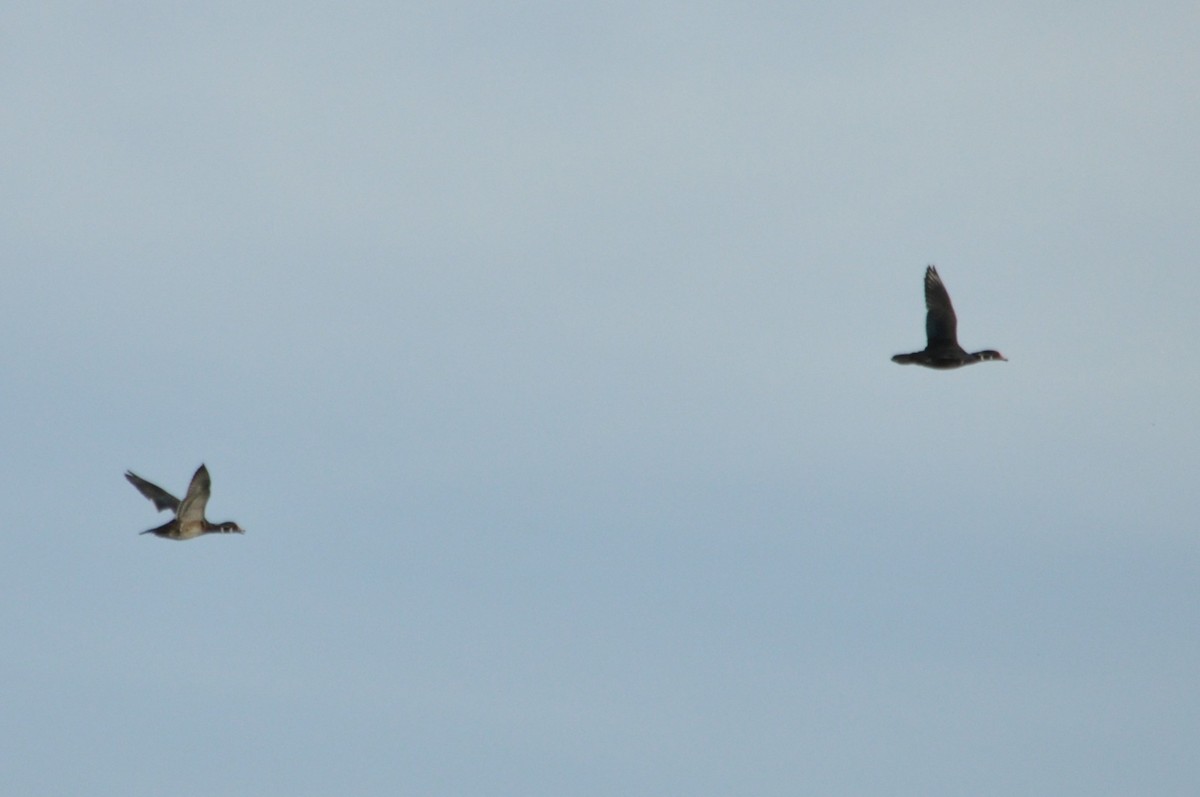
x,y
192,508
941,325
161,498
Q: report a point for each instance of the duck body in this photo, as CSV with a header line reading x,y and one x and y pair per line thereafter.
x,y
942,351
189,521
946,360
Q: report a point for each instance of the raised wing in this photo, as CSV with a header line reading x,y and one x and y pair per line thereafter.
x,y
941,325
192,508
161,498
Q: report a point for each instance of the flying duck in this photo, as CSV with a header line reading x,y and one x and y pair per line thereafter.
x,y
941,329
189,520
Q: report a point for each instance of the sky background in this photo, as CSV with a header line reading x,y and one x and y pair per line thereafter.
x,y
543,351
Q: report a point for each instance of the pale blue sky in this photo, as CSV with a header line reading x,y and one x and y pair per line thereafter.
x,y
543,350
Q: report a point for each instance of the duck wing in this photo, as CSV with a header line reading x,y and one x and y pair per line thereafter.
x,y
161,498
192,508
941,325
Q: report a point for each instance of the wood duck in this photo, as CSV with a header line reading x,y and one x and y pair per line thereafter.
x,y
941,331
189,520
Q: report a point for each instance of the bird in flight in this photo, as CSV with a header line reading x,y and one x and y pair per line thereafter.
x,y
189,520
941,331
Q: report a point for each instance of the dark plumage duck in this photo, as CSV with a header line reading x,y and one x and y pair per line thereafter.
x,y
189,520
941,330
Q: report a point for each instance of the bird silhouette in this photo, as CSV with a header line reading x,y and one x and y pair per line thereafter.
x,y
189,521
941,331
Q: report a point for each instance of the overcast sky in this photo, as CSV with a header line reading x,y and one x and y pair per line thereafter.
x,y
543,351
